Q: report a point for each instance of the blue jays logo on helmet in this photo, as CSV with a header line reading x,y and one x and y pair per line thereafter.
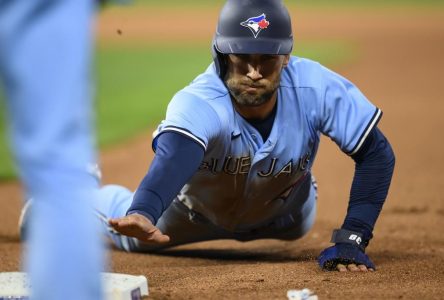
x,y
256,24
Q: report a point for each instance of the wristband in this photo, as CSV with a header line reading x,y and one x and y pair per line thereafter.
x,y
345,236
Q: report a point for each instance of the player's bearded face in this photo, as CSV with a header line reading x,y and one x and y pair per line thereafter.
x,y
253,79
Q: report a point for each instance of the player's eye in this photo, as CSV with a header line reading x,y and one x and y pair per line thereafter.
x,y
268,57
242,57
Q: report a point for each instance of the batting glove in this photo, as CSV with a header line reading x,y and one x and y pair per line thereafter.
x,y
349,249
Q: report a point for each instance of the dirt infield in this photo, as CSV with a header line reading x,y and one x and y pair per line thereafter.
x,y
400,68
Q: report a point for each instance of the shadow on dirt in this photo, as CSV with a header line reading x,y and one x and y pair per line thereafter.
x,y
5,238
243,255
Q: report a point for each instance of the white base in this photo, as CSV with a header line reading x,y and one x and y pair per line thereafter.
x,y
15,285
304,294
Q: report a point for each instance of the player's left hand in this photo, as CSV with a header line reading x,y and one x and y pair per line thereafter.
x,y
140,227
345,257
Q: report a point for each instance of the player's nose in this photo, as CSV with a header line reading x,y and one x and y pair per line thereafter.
x,y
254,72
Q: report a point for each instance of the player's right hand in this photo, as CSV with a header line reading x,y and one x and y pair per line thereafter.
x,y
139,227
345,257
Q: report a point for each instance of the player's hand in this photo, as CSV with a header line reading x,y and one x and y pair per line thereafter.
x,y
139,227
345,257
353,268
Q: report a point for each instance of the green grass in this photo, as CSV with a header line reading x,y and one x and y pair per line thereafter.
x,y
134,86
6,165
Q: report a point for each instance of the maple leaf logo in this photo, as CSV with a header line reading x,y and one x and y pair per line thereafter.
x,y
263,24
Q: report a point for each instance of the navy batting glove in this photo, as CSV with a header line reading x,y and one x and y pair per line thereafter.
x,y
343,254
349,249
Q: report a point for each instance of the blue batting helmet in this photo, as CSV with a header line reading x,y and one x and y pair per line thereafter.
x,y
251,27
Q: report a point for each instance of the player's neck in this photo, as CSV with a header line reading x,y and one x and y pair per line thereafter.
x,y
256,112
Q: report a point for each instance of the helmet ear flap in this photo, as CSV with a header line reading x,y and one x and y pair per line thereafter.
x,y
220,61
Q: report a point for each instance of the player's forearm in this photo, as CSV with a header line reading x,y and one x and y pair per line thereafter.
x,y
177,159
371,182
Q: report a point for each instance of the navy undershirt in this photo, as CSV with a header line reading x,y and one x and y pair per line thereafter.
x,y
374,165
178,157
264,126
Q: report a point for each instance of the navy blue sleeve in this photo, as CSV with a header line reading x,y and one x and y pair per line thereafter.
x,y
374,165
177,158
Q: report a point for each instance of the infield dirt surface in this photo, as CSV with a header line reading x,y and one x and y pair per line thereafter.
x,y
399,67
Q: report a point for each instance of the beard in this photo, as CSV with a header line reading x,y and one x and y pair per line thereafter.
x,y
263,93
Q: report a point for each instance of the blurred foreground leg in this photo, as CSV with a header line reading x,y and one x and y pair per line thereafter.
x,y
45,53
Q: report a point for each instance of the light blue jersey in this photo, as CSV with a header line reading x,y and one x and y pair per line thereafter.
x,y
243,181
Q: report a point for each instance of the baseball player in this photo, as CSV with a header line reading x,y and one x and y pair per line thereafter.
x,y
235,151
45,53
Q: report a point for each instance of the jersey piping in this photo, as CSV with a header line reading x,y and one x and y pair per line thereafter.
x,y
373,121
183,132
